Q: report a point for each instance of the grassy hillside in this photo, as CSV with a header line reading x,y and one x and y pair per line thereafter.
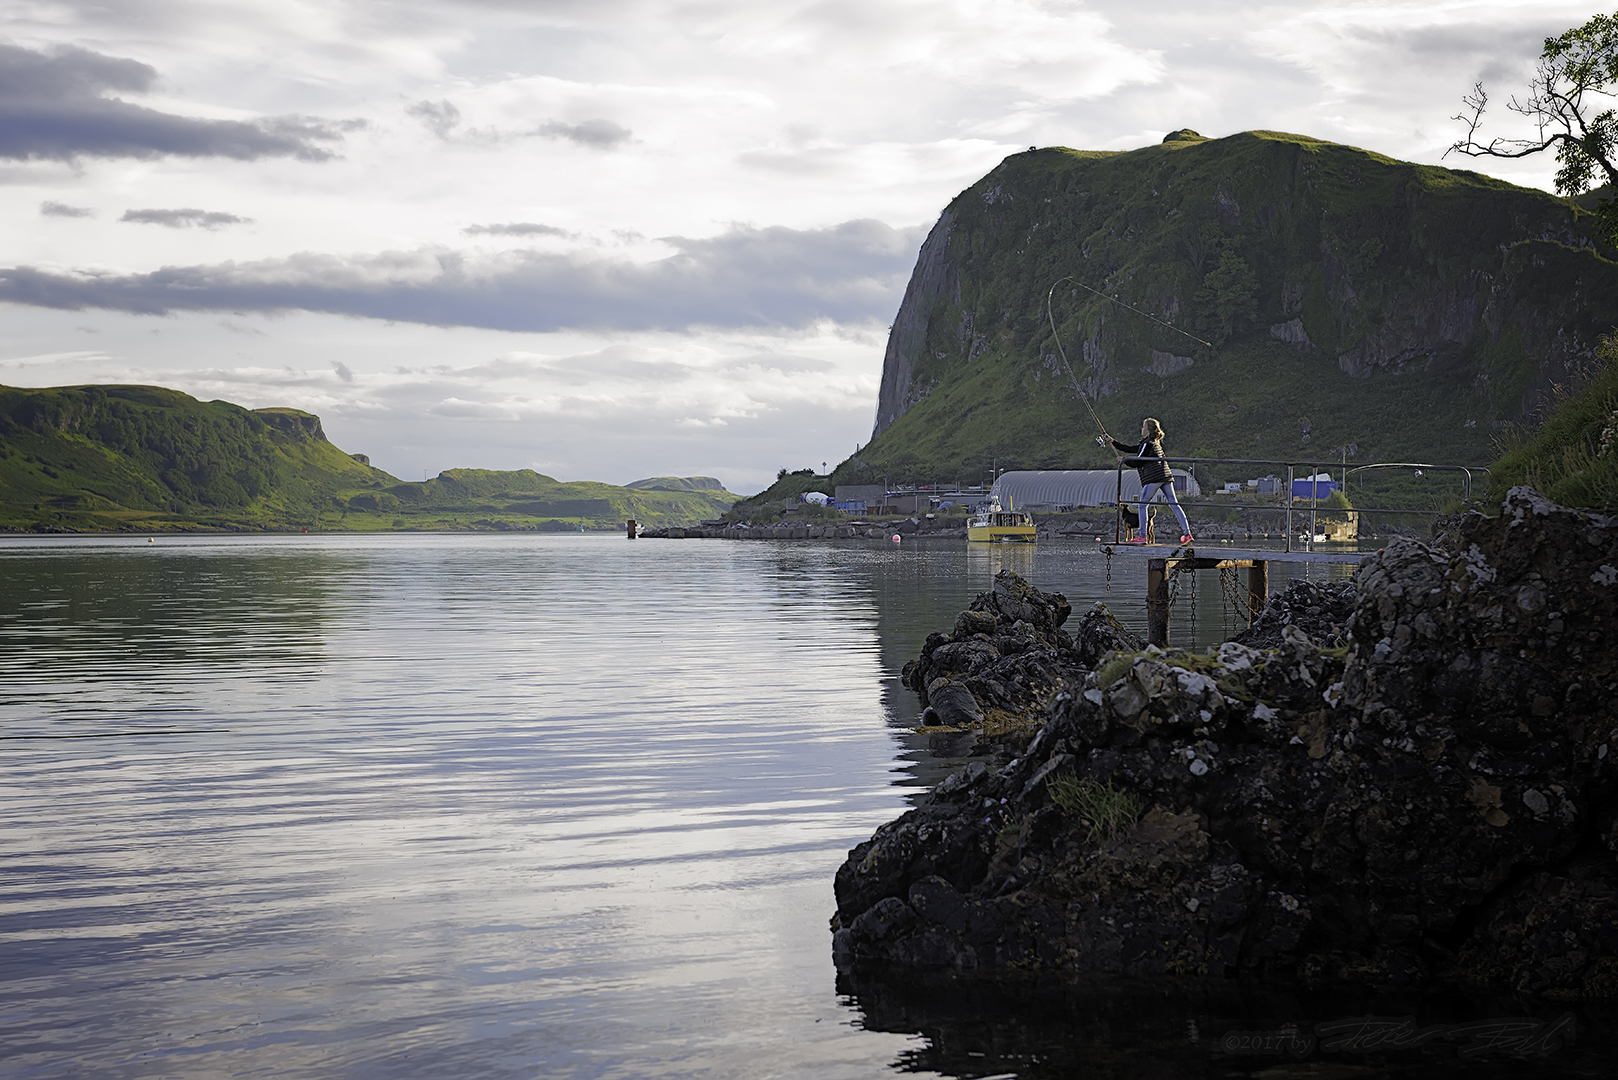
x,y
784,494
1573,456
100,458
1356,307
461,497
678,483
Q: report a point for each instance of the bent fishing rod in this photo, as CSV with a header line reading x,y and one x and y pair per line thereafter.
x,y
1056,336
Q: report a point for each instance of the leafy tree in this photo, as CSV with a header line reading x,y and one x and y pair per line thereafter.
x,y
1228,296
1572,76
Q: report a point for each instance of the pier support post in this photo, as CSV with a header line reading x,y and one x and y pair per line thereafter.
x,y
1157,603
1258,588
632,528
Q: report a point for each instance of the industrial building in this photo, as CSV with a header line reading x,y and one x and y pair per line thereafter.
x,y
1061,489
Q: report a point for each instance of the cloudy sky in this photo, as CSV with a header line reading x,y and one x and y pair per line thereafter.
x,y
606,239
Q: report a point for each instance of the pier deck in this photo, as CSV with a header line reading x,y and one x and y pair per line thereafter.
x,y
1163,561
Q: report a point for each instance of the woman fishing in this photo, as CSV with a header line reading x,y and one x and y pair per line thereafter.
x,y
1154,475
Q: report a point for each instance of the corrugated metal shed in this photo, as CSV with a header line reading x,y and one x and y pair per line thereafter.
x,y
1051,488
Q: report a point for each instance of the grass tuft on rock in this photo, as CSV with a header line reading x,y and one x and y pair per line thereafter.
x,y
1106,809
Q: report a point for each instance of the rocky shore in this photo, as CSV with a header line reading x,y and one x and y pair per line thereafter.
x,y
1408,782
1096,526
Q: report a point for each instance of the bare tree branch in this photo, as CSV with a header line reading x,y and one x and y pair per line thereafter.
x,y
1571,72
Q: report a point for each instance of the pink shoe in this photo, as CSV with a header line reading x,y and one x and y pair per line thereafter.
x,y
1137,540
1187,539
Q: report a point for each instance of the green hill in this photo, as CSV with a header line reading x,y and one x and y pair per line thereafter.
x,y
678,483
141,458
1357,307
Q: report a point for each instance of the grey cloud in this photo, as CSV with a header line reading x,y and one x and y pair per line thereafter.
x,y
621,362
56,209
188,218
54,106
785,363
517,228
595,134
1518,38
439,117
617,362
746,277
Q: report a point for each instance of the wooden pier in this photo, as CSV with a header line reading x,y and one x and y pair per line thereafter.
x,y
1163,561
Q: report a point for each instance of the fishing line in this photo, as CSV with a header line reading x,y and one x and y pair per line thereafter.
x,y
1131,307
1050,314
1077,388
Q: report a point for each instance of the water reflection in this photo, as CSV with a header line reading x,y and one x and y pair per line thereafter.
x,y
94,630
1171,1028
983,561
450,806
454,805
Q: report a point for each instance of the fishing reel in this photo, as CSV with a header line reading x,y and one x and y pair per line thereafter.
x,y
1101,440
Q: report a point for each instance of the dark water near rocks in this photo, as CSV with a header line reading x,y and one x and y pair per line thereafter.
x,y
466,806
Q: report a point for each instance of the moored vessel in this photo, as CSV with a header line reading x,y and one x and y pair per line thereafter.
x,y
998,526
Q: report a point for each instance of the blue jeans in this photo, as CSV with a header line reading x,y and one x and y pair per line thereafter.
x,y
1150,490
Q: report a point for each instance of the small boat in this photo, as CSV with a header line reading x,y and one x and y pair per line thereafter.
x,y
998,526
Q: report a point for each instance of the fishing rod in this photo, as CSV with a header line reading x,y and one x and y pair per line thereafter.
x,y
1063,353
1056,336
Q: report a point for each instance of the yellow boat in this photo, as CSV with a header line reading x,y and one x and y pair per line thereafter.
x,y
1001,526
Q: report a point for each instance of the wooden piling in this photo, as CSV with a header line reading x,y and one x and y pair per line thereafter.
x,y
632,528
1160,571
1258,587
1157,603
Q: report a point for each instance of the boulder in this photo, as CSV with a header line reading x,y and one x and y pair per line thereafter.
x,y
1320,609
1010,651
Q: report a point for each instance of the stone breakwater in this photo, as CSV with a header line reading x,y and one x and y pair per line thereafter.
x,y
797,531
1100,528
1435,800
1049,526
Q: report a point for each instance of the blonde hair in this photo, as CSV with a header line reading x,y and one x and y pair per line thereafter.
x,y
1153,428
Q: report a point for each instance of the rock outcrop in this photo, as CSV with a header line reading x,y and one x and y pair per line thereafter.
x,y
1436,800
1009,654
1320,609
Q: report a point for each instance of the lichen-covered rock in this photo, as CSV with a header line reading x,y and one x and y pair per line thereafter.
x,y
1439,798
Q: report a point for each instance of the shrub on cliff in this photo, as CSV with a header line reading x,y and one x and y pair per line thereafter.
x,y
1573,456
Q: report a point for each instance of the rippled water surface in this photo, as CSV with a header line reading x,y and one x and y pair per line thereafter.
x,y
457,806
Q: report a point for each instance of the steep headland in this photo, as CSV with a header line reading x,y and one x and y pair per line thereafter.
x,y
100,458
1355,305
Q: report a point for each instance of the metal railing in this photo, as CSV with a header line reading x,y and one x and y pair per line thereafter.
x,y
1314,487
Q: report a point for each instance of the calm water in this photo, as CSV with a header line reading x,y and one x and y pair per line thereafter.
x,y
468,806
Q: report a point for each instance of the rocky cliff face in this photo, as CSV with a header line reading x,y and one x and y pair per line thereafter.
x,y
934,279
1439,799
1316,271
